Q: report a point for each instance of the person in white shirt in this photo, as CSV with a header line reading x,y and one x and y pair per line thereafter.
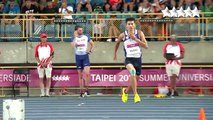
x,y
66,10
82,50
173,52
133,40
43,54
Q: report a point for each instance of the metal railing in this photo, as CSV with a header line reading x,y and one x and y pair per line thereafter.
x,y
29,26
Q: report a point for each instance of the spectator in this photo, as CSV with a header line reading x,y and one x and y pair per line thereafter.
x,y
19,2
158,6
208,7
68,10
1,7
49,9
113,30
146,7
33,2
114,5
188,3
84,4
29,8
11,8
99,26
130,4
69,3
42,4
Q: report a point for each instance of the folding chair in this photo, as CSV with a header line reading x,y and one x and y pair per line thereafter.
x,y
20,71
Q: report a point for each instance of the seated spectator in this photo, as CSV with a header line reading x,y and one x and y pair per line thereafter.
x,y
114,5
1,7
84,4
19,2
208,7
11,8
67,10
99,26
42,4
188,3
29,8
33,2
99,6
113,30
50,9
130,4
157,7
146,7
69,3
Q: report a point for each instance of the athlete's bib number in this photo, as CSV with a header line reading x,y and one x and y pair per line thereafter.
x,y
81,48
133,50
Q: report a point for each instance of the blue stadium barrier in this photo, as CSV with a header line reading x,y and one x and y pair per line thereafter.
x,y
83,15
182,30
13,31
210,31
194,32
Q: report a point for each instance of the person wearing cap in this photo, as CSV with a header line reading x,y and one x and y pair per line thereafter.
x,y
173,52
67,10
43,54
80,43
11,8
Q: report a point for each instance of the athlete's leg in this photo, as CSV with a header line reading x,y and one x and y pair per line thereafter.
x,y
132,79
80,78
87,73
79,65
129,87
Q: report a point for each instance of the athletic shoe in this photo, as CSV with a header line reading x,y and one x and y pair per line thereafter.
x,y
81,95
42,95
47,95
124,96
169,93
175,93
109,40
87,93
137,98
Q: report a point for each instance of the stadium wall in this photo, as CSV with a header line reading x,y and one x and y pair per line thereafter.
x,y
23,52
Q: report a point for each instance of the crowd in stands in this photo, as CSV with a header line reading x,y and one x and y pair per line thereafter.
x,y
70,7
74,6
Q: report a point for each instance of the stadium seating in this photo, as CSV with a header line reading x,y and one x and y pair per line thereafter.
x,y
2,32
182,30
67,31
194,32
52,31
210,31
128,14
97,2
13,31
83,15
113,12
37,29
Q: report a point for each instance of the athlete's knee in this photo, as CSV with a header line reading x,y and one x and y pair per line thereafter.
x,y
132,72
